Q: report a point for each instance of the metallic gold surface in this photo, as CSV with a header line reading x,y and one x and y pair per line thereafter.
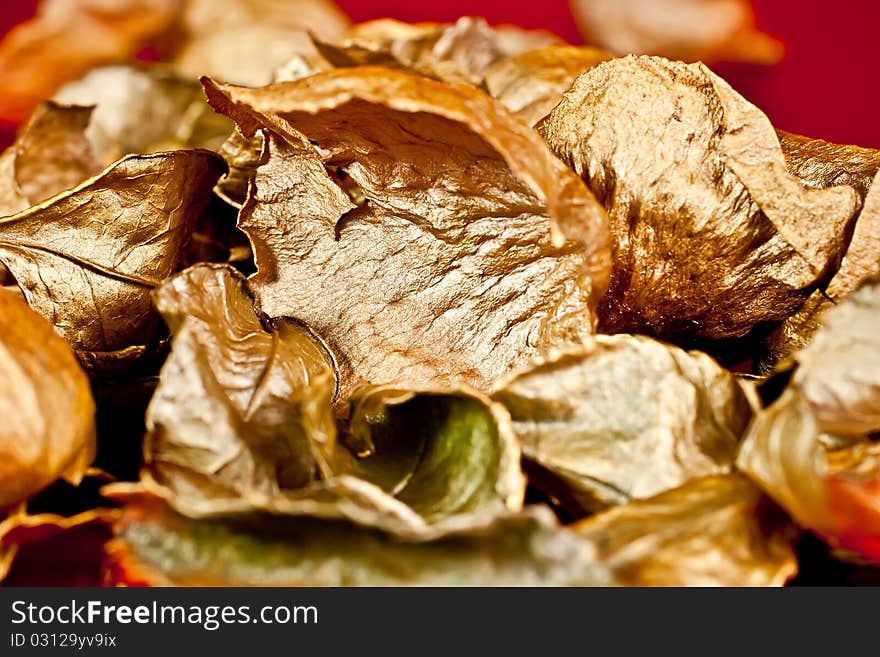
x,y
88,258
712,531
49,415
448,246
712,235
627,417
530,84
239,410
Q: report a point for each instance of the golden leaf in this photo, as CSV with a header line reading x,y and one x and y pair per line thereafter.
x,y
712,235
427,235
49,416
626,417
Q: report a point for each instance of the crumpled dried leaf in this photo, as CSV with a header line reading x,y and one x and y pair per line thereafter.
x,y
792,334
812,449
784,454
52,550
508,39
49,416
142,111
51,154
454,52
712,234
458,52
690,30
412,481
530,84
712,531
839,371
862,257
440,452
448,246
823,164
88,258
243,156
861,260
245,41
66,39
626,417
157,547
240,409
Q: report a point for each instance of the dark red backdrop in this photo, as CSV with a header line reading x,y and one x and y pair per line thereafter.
x,y
826,86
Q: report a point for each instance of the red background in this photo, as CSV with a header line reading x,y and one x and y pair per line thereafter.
x,y
825,87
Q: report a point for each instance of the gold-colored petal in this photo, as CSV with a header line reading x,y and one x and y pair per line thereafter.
x,y
411,480
627,417
794,333
53,154
50,155
839,370
712,234
449,245
458,52
813,450
862,257
143,110
88,258
48,429
239,409
712,531
822,164
441,452
531,83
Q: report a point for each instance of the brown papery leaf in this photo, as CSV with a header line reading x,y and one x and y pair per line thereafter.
x,y
155,546
839,371
454,246
244,154
440,452
531,83
812,450
66,39
712,531
51,154
245,41
712,234
144,110
626,417
421,463
458,52
508,39
88,258
823,164
691,30
792,335
454,52
861,261
240,410
513,39
783,452
862,257
49,416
